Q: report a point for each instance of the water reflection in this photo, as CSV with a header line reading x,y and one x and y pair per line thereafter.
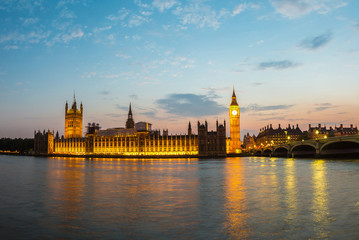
x,y
66,192
235,192
320,199
234,198
291,188
133,197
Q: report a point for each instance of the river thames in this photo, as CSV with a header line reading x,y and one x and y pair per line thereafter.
x,y
233,198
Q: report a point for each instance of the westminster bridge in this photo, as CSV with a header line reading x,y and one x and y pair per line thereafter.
x,y
323,147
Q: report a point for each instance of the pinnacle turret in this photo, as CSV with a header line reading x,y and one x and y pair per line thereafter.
x,y
234,99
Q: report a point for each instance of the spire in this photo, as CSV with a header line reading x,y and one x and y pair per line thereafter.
x,y
189,128
130,111
130,123
234,98
74,97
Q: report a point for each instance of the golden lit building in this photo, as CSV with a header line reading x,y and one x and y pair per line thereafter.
x,y
234,142
138,139
73,120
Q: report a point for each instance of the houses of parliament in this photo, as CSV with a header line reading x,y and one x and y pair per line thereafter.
x,y
138,139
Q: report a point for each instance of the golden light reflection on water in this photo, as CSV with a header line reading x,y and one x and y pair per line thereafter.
x,y
126,191
291,188
237,214
66,181
320,199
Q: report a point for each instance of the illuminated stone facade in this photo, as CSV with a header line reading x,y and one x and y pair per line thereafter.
x,y
73,120
135,140
234,142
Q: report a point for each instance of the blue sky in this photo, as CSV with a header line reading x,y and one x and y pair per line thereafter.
x,y
290,62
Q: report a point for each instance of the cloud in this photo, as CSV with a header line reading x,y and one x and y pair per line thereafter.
x,y
133,96
257,83
296,8
273,118
88,74
239,8
30,21
278,65
121,15
324,106
29,5
260,108
316,42
151,114
124,56
11,47
30,37
163,5
78,33
104,92
137,20
114,115
66,13
212,92
129,19
124,108
190,105
202,15
98,30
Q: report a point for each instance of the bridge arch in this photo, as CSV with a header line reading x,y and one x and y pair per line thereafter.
x,y
340,148
280,152
267,152
303,150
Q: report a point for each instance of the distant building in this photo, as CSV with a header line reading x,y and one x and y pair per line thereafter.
x,y
341,131
270,136
143,126
324,132
249,141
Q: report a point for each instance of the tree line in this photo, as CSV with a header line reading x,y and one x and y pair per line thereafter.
x,y
22,145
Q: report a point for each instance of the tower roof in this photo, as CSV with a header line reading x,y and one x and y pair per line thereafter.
x,y
130,123
234,99
130,110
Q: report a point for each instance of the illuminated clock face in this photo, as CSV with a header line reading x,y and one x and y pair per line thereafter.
x,y
234,112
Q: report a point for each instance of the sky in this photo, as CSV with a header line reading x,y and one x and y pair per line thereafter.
x,y
290,62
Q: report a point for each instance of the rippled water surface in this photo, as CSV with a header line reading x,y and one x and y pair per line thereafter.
x,y
233,198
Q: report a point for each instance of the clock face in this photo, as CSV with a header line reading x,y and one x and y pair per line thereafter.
x,y
234,112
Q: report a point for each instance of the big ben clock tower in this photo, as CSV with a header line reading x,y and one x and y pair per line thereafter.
x,y
235,141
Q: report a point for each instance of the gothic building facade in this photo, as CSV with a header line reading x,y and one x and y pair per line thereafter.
x,y
137,139
73,120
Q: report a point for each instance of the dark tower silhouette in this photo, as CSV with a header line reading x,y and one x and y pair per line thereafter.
x,y
189,128
130,123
